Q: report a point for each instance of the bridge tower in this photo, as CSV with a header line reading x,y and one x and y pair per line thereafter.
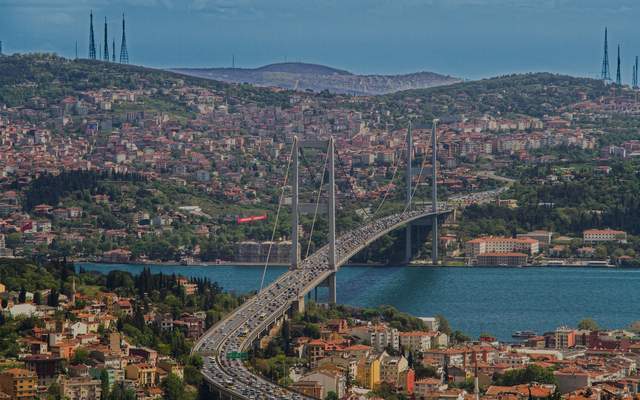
x,y
332,223
434,193
408,241
297,208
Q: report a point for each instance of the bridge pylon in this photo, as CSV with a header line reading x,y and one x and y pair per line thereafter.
x,y
434,193
409,180
297,208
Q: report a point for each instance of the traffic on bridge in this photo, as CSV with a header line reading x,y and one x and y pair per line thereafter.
x,y
238,331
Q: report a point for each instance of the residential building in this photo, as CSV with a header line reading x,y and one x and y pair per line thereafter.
x,y
19,384
383,336
415,341
80,388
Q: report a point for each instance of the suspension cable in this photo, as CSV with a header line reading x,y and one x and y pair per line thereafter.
x,y
275,223
422,164
315,214
395,171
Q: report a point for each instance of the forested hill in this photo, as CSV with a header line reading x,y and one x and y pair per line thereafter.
x,y
534,94
23,76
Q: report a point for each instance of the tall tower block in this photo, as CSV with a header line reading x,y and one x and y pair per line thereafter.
x,y
92,40
105,52
124,53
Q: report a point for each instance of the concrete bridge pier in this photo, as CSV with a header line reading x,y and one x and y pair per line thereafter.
x,y
408,245
331,284
298,305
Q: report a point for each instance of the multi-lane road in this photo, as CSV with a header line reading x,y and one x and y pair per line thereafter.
x,y
242,327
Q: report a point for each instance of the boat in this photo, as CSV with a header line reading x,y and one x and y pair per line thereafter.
x,y
523,334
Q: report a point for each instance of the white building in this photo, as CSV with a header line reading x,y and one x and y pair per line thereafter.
x,y
382,336
604,235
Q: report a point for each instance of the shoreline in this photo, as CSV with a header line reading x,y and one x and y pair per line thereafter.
x,y
355,265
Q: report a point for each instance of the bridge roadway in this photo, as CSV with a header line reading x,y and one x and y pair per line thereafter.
x,y
237,331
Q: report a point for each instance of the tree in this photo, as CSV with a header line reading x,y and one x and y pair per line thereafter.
x,y
331,395
173,388
53,300
120,393
54,392
443,324
22,296
104,384
588,324
37,297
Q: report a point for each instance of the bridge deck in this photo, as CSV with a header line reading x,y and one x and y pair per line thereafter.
x,y
239,329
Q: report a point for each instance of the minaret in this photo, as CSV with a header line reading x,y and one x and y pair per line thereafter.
x,y
73,291
605,75
105,52
124,53
113,50
92,41
618,76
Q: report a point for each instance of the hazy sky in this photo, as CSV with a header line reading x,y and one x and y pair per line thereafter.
x,y
466,38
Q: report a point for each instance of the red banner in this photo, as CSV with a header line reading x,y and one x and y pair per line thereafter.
x,y
244,220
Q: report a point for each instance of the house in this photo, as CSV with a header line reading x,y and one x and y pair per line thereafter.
x,y
309,388
144,375
330,381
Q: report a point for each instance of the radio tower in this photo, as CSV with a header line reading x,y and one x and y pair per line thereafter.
x,y
113,50
105,52
618,77
124,53
635,74
92,41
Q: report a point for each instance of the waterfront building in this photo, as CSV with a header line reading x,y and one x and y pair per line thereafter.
x,y
604,235
492,244
499,259
543,237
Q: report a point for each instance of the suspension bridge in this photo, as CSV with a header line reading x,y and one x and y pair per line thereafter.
x,y
224,344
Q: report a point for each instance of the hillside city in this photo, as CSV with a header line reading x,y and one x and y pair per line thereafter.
x,y
117,164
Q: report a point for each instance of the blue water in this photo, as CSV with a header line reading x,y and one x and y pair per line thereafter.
x,y
474,300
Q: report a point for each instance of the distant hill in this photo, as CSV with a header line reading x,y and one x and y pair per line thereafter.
x,y
303,76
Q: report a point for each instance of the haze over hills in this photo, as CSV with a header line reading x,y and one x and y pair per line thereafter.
x,y
304,76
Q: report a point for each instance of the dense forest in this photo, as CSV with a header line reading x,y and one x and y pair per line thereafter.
x,y
50,189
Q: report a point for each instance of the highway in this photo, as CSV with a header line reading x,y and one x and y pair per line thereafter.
x,y
237,331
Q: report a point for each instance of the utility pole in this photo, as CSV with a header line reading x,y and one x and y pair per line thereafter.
x,y
434,193
295,253
407,250
332,223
